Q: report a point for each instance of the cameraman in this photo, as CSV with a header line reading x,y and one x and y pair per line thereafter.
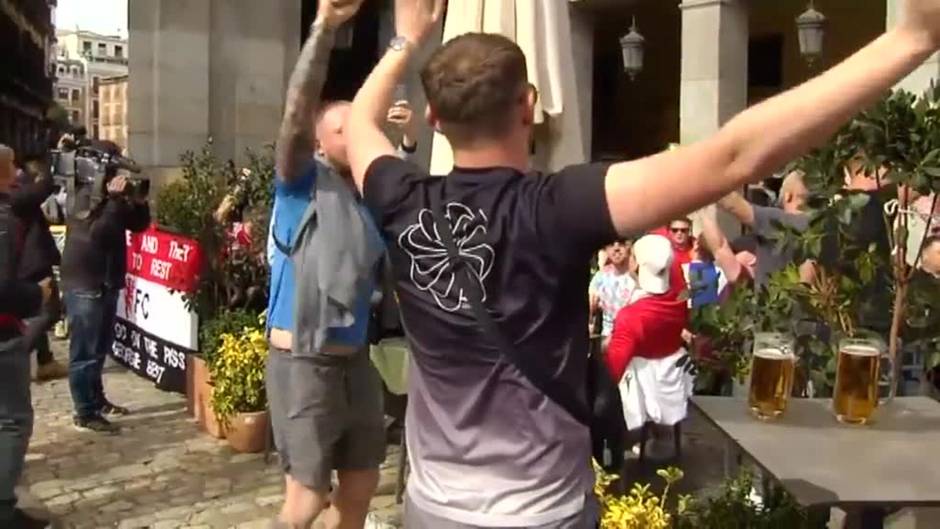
x,y
40,254
93,272
18,299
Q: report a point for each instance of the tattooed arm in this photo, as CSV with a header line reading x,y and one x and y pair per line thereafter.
x,y
295,145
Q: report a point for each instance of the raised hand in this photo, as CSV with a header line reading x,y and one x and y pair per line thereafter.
x,y
335,13
923,17
414,19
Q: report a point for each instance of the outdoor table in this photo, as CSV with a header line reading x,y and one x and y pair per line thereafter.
x,y
822,463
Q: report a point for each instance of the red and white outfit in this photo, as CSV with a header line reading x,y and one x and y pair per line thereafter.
x,y
646,344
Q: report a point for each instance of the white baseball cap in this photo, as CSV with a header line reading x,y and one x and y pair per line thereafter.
x,y
654,260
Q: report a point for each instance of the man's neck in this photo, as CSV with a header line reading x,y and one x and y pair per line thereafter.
x,y
621,269
502,154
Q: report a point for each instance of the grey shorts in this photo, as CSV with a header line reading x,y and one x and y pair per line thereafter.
x,y
326,414
416,518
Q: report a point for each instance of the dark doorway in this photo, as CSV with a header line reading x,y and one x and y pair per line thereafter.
x,y
349,67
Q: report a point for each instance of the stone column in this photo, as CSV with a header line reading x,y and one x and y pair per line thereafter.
x,y
714,72
168,92
204,68
253,48
919,80
714,65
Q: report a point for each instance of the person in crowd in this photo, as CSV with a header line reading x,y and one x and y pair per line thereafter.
x,y
31,189
646,347
487,448
94,266
683,243
19,299
732,268
763,222
868,232
325,400
612,285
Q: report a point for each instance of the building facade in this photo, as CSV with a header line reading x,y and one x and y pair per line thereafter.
x,y
102,57
71,89
26,38
113,102
205,69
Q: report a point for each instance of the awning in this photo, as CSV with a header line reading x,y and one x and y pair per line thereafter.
x,y
542,28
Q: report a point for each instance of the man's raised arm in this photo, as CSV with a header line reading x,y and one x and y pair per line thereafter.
x,y
739,208
414,20
295,142
648,192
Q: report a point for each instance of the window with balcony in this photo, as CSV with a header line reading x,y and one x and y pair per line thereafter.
x,y
63,94
75,95
76,72
86,46
76,116
61,71
119,51
102,49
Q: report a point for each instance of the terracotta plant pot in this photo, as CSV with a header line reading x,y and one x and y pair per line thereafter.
x,y
246,432
202,399
210,423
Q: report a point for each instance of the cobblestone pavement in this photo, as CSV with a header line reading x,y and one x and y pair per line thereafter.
x,y
160,473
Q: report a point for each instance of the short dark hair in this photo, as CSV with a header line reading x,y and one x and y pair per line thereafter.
x,y
930,241
326,106
686,220
472,84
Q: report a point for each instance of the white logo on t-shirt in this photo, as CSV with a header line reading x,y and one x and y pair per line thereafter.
x,y
431,271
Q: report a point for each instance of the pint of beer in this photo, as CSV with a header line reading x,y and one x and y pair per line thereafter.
x,y
771,375
857,374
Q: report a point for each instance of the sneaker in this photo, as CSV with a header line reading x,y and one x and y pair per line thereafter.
x,y
113,410
97,424
51,371
23,520
61,330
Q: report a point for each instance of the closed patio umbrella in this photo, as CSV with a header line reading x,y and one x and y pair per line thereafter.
x,y
542,28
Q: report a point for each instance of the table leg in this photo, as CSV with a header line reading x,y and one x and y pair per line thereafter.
x,y
869,518
732,459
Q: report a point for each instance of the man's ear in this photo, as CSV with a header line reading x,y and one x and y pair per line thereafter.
x,y
431,117
529,103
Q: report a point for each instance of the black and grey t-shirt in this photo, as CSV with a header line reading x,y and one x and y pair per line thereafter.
x,y
770,258
487,448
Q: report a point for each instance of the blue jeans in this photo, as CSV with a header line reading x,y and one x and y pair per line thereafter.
x,y
91,323
16,418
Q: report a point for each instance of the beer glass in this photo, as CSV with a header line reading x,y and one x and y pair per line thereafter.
x,y
772,367
858,371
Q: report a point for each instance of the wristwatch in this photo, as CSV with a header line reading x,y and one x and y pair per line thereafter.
x,y
399,43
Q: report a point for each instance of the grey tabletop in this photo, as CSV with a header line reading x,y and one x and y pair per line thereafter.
x,y
893,462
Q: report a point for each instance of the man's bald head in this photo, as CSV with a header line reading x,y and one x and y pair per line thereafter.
x,y
793,192
331,134
7,169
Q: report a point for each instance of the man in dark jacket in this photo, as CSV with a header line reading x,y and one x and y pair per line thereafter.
x,y
93,269
31,188
18,299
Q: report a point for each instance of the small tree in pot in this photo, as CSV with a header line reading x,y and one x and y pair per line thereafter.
x,y
238,394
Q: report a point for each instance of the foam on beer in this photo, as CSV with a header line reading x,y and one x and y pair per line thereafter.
x,y
861,350
772,353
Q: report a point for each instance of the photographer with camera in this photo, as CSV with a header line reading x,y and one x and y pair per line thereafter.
x,y
33,185
93,272
19,299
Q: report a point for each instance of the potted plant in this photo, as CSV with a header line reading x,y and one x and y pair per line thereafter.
x,y
238,391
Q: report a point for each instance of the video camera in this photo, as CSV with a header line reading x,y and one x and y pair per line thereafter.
x,y
84,172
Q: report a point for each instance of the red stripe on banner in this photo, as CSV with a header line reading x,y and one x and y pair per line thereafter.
x,y
164,258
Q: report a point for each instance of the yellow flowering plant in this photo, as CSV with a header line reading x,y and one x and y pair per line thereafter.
x,y
641,508
237,374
